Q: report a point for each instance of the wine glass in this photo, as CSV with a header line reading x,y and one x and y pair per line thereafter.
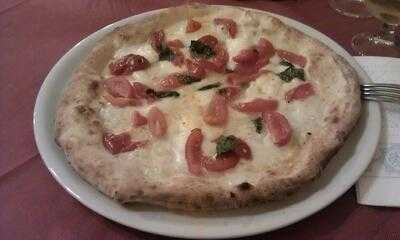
x,y
350,8
385,42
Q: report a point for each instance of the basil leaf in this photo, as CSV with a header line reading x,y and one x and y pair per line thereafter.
x,y
286,63
258,123
290,73
161,94
187,79
164,94
200,50
166,54
209,86
225,144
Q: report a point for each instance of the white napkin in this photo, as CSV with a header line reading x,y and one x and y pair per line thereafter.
x,y
380,183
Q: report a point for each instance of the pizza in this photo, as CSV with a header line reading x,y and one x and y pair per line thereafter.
x,y
204,107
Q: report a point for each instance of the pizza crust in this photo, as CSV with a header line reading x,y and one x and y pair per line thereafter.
x,y
79,128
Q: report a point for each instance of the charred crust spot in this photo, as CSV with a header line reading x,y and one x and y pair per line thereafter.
x,y
290,193
57,142
96,123
309,133
233,195
196,206
68,147
93,86
80,169
124,36
257,200
244,186
209,198
65,101
335,119
139,193
335,109
341,135
84,110
163,197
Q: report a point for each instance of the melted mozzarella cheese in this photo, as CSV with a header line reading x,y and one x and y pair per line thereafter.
x,y
165,157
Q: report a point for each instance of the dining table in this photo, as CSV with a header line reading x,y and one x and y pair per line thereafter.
x,y
35,34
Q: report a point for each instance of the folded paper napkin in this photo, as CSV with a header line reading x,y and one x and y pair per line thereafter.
x,y
380,183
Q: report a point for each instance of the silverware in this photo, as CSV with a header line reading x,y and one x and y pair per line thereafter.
x,y
381,92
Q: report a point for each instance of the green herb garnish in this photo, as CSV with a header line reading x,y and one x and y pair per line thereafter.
x,y
209,86
201,50
258,123
164,94
225,144
286,63
166,54
161,94
187,79
291,72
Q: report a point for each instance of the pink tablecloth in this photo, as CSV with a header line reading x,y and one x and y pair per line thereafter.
x,y
34,34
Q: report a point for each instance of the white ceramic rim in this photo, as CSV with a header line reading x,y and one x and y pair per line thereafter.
x,y
339,176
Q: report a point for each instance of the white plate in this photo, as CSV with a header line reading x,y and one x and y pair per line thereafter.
x,y
340,175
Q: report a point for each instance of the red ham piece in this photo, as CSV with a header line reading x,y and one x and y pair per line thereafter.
x,y
157,40
140,91
120,143
138,119
257,105
179,58
128,64
265,48
229,93
279,127
195,69
251,60
216,113
209,40
218,62
193,153
118,87
300,92
247,56
170,82
121,101
242,149
222,162
176,43
292,57
157,122
192,26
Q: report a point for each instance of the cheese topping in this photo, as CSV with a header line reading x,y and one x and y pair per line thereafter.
x,y
165,157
